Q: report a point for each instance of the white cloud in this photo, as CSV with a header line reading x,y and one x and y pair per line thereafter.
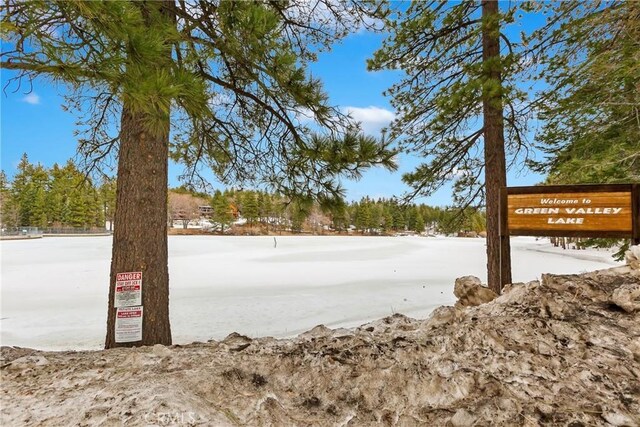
x,y
32,98
456,172
372,118
304,115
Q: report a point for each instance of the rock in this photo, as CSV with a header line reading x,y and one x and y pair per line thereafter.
x,y
470,292
317,332
237,342
627,297
28,362
462,418
236,338
544,409
632,257
442,316
510,286
466,281
619,419
546,349
342,333
160,350
634,347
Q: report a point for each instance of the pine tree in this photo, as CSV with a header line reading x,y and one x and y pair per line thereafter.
x,y
477,221
399,221
107,192
594,78
9,210
419,224
57,196
4,196
340,217
297,216
250,207
411,217
452,103
20,191
32,195
387,218
278,209
363,216
266,209
260,196
96,213
222,213
77,209
39,208
232,74
375,217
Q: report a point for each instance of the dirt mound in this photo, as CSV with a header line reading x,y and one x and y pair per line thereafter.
x,y
562,351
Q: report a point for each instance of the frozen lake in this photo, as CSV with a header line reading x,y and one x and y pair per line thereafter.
x,y
54,290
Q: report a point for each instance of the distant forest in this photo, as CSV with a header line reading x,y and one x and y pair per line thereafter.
x,y
56,197
265,212
62,196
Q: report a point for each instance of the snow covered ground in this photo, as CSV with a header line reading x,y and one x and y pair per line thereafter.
x,y
54,290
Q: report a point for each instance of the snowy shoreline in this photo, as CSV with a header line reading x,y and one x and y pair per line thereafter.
x,y
504,360
54,291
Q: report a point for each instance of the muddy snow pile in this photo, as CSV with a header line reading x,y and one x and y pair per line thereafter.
x,y
565,350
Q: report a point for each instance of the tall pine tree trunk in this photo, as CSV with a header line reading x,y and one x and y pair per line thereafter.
x,y
140,229
494,153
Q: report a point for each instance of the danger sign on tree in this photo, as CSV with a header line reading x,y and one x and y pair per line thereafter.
x,y
129,324
128,289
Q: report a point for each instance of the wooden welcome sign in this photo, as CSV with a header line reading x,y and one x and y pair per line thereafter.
x,y
607,210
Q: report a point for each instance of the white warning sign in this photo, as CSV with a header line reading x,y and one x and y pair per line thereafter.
x,y
129,324
128,289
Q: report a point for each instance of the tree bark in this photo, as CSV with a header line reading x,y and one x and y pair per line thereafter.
x,y
494,152
140,229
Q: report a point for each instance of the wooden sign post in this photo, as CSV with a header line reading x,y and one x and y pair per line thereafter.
x,y
607,210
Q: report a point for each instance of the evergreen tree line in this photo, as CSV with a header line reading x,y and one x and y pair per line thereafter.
x,y
274,212
63,196
56,197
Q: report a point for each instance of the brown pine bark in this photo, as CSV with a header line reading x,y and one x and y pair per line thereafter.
x,y
140,227
494,152
140,223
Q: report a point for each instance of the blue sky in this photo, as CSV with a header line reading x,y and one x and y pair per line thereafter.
x,y
33,121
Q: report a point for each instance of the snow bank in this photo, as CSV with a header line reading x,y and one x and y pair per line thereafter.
x,y
561,351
